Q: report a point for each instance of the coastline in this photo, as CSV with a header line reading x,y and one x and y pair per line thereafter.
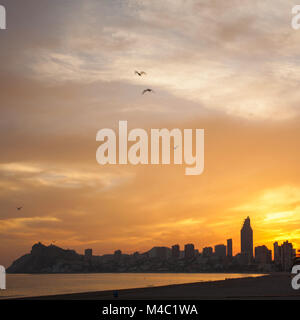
x,y
273,286
149,272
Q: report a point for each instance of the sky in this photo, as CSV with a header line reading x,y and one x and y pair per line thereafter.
x,y
67,70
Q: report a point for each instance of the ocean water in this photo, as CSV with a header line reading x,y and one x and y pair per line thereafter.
x,y
29,285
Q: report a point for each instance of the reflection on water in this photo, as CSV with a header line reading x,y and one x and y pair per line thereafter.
x,y
23,285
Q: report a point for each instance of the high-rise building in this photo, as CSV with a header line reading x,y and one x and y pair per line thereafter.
x,y
284,255
288,254
247,239
159,252
220,250
175,251
263,255
277,254
229,248
207,252
189,250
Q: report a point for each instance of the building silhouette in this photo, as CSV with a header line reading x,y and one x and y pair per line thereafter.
x,y
220,250
263,255
175,251
159,252
88,253
247,239
277,253
118,253
189,250
284,255
229,248
207,252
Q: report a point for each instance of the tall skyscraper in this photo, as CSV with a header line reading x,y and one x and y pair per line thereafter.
x,y
189,250
277,254
229,248
175,251
247,239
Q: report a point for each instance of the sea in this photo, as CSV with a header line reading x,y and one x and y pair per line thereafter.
x,y
32,285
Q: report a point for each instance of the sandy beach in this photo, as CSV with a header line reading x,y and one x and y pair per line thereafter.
x,y
275,286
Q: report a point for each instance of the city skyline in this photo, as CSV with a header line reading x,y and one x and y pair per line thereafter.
x,y
67,70
48,259
282,256
221,250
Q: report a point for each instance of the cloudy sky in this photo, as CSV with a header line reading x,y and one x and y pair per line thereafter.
x,y
67,70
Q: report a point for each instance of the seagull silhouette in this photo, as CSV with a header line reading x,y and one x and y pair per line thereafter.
x,y
140,73
19,208
147,90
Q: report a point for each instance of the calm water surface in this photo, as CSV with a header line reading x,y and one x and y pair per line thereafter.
x,y
28,285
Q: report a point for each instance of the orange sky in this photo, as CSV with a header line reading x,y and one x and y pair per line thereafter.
x,y
67,70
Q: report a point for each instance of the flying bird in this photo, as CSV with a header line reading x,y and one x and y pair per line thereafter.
x,y
140,73
19,208
147,90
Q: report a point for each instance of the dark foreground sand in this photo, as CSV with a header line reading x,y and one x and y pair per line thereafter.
x,y
276,286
